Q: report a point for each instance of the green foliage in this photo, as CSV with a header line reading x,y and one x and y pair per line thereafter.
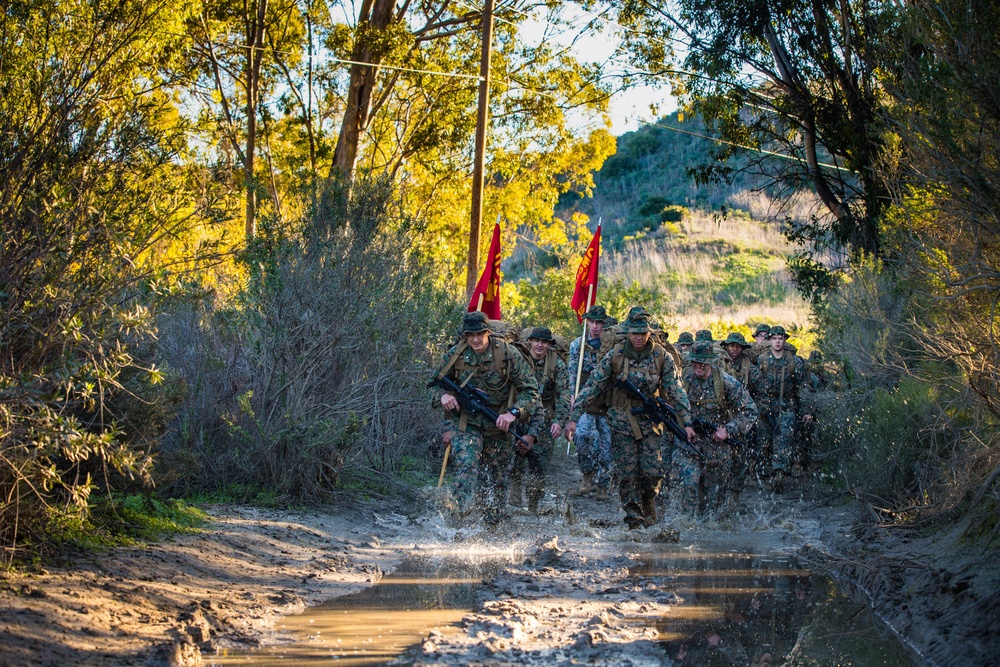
x,y
546,301
748,278
327,350
91,186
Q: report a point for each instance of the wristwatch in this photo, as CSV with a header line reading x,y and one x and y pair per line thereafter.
x,y
515,412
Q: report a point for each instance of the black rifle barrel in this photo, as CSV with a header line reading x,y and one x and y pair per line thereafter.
x,y
472,401
656,410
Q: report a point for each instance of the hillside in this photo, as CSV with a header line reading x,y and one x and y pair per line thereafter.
x,y
699,255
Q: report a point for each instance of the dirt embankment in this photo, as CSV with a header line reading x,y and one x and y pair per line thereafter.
x,y
568,599
168,603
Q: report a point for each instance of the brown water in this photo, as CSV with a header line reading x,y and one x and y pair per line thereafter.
x,y
737,609
377,624
730,609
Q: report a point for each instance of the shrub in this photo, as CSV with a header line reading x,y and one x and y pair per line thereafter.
x,y
316,374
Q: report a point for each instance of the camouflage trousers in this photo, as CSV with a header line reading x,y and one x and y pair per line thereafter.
x,y
705,485
639,465
535,466
593,447
776,438
482,466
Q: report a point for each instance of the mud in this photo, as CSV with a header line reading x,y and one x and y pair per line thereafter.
x,y
567,586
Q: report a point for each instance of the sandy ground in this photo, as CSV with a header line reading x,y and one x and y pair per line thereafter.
x,y
565,596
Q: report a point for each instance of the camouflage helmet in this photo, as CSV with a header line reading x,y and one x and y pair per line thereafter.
x,y
762,329
778,331
610,321
474,322
703,334
703,352
736,338
637,320
541,333
596,314
685,338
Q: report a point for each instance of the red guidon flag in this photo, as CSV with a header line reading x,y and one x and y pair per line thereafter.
x,y
486,296
586,277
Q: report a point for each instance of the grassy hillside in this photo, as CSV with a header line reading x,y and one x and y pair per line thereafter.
x,y
713,273
698,255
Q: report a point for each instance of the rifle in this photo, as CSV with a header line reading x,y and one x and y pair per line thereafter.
x,y
661,412
473,401
703,427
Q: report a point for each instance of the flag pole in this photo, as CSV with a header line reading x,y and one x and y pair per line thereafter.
x,y
583,343
583,350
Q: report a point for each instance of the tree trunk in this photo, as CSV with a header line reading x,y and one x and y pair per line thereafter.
x,y
255,57
375,16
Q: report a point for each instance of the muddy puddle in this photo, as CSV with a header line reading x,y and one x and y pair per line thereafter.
x,y
711,609
747,609
377,624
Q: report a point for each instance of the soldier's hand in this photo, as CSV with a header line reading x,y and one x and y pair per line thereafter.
x,y
555,431
721,434
570,430
505,420
446,437
449,402
807,418
690,432
521,448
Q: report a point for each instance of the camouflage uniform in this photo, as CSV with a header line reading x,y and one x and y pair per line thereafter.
x,y
720,400
553,384
685,339
593,434
635,440
758,348
778,394
747,456
483,453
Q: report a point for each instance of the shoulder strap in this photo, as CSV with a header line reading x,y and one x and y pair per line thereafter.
x,y
459,349
617,359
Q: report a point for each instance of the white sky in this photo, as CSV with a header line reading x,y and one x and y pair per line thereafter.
x,y
626,109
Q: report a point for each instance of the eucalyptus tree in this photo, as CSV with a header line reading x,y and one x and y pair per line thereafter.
x,y
800,78
92,188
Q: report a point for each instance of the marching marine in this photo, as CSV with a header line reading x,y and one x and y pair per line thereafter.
x,y
635,439
722,412
547,422
482,449
779,392
761,341
593,434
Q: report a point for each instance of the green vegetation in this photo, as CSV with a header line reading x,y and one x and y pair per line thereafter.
x,y
214,279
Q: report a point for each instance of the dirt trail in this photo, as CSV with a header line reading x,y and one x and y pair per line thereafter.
x,y
565,598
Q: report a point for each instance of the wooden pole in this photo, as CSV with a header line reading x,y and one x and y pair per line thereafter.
x,y
480,158
583,343
583,350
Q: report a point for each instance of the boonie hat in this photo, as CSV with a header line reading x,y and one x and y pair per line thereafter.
x,y
597,314
541,333
736,338
702,352
637,321
474,322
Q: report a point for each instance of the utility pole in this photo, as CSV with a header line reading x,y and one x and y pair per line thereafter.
x,y
480,159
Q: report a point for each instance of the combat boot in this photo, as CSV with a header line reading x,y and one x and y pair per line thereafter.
x,y
586,484
648,510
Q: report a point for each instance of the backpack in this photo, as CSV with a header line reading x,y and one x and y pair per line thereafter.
x,y
613,335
